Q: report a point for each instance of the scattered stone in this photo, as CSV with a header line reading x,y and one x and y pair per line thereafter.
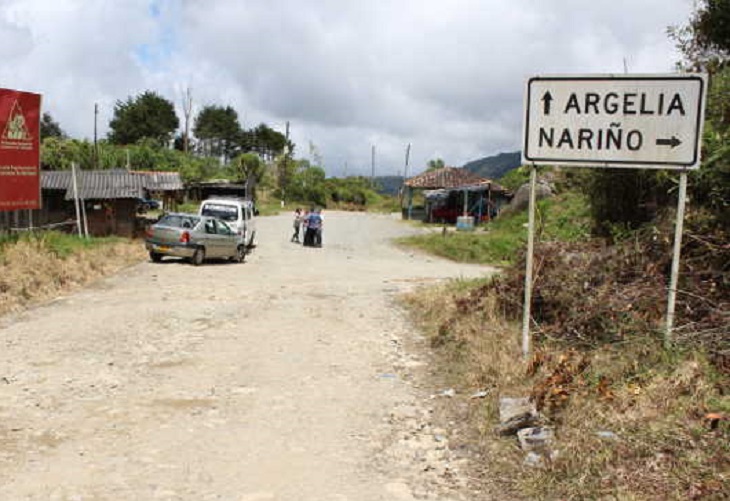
x,y
449,393
607,434
535,439
521,198
533,459
515,414
480,394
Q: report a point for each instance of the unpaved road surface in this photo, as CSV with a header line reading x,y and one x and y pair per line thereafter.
x,y
285,378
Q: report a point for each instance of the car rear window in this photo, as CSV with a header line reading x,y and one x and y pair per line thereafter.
x,y
221,211
178,221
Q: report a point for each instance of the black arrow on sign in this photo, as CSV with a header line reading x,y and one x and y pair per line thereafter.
x,y
673,142
546,102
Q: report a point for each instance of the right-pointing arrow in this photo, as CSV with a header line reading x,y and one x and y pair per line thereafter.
x,y
673,142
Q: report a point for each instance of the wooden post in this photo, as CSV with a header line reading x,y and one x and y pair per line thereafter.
x,y
76,197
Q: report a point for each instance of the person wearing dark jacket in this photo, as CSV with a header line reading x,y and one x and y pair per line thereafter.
x,y
313,235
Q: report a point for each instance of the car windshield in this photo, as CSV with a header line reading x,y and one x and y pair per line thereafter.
x,y
179,221
220,211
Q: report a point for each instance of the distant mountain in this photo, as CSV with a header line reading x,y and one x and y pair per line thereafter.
x,y
495,166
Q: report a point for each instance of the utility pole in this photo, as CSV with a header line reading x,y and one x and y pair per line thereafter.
x,y
284,164
96,144
405,169
372,166
187,105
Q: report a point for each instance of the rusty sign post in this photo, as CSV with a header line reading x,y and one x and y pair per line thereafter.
x,y
632,121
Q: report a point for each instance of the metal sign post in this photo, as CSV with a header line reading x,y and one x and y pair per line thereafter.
x,y
528,266
674,278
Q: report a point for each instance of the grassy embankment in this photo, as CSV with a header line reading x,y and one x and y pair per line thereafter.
x,y
632,419
38,266
563,218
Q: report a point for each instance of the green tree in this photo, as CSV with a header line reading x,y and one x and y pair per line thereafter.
x,y
630,198
265,141
218,130
50,128
705,44
285,167
435,164
148,115
705,40
250,168
308,184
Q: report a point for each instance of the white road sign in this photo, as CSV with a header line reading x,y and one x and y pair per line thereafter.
x,y
649,121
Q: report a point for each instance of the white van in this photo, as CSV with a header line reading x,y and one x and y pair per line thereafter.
x,y
237,212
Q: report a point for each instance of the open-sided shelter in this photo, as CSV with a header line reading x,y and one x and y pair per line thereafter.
x,y
451,192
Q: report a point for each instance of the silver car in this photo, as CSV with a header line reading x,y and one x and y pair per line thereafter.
x,y
193,237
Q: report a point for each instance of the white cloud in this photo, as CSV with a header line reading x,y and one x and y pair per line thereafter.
x,y
446,76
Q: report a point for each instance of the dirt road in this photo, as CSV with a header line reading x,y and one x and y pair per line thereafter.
x,y
284,378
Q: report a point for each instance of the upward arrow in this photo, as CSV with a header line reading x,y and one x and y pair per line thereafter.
x,y
546,99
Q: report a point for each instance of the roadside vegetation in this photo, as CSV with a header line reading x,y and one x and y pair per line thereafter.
x,y
38,266
215,148
634,418
564,217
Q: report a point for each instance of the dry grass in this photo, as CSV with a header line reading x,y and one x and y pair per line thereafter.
x,y
654,401
31,270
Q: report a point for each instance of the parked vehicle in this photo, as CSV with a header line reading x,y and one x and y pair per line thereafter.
x,y
147,204
193,237
238,213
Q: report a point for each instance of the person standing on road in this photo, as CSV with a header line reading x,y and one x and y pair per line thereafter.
x,y
318,234
314,225
297,224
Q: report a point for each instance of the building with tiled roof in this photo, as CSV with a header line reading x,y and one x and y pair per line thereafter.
x,y
450,192
444,178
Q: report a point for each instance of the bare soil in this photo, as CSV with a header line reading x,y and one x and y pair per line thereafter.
x,y
289,377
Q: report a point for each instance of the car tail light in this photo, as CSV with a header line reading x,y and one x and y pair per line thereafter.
x,y
148,232
185,237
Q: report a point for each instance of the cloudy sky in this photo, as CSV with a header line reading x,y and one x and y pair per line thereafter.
x,y
446,76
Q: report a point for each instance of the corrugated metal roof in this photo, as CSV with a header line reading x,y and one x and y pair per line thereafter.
x,y
55,179
161,181
448,177
110,184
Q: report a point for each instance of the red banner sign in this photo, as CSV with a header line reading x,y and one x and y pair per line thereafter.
x,y
20,123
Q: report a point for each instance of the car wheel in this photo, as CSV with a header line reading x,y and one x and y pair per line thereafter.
x,y
155,257
198,257
240,254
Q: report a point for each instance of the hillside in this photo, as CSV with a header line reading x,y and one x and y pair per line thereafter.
x,y
388,185
495,166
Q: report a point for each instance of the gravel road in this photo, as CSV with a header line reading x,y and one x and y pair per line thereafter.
x,y
285,378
